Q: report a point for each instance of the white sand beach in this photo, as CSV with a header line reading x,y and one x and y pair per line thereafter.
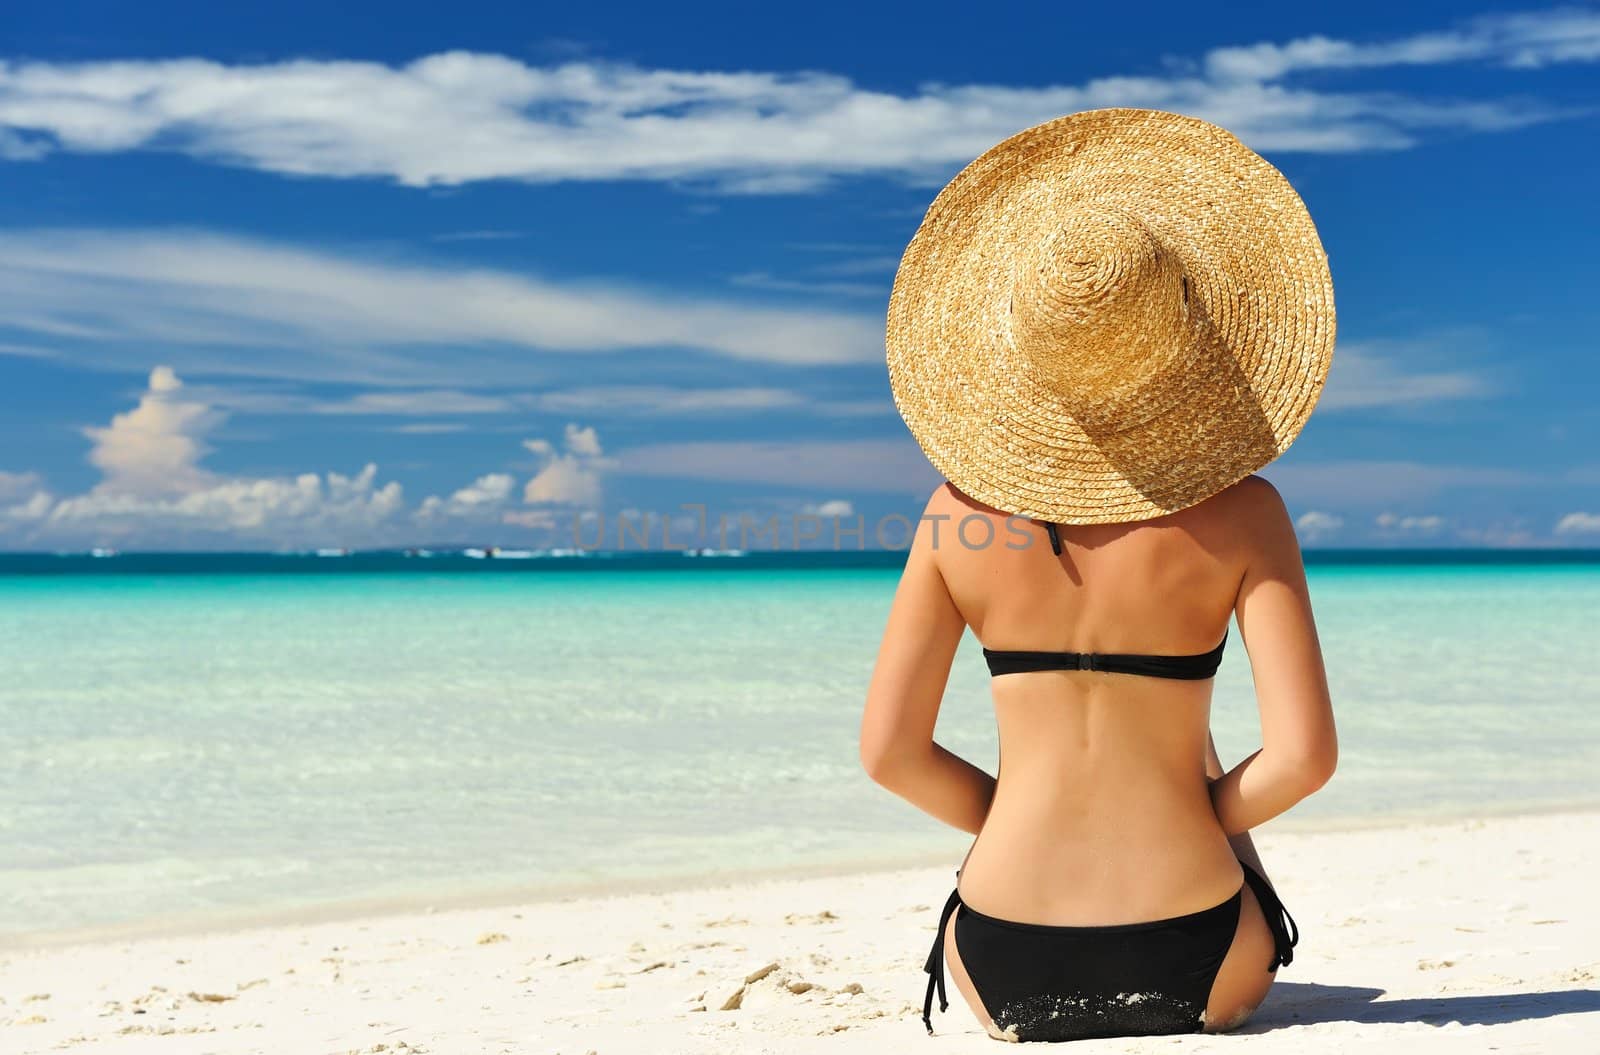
x,y
1468,936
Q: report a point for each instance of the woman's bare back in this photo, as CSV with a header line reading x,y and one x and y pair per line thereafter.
x,y
1101,812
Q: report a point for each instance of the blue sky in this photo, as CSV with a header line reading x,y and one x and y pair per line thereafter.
x,y
375,274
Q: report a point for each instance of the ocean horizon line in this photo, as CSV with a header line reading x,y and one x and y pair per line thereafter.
x,y
490,559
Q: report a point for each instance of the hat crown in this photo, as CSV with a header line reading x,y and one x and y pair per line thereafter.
x,y
1101,319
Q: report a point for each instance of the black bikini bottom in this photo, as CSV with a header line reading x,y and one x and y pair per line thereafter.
x,y
1043,982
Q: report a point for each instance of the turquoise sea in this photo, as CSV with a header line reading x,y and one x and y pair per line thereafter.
x,y
205,736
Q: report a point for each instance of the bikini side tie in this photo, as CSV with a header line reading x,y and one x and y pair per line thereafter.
x,y
1285,935
935,964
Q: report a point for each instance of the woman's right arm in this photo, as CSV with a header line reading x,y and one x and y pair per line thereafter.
x,y
1299,746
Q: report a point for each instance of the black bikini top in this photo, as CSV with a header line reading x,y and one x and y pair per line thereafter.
x,y
1192,668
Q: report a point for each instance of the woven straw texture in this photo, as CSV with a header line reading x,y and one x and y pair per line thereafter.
x,y
1108,317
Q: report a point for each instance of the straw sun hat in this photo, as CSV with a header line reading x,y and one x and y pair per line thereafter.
x,y
1110,316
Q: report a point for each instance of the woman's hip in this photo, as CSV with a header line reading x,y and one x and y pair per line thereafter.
x,y
1079,878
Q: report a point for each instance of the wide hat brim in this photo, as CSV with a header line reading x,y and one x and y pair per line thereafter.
x,y
1253,263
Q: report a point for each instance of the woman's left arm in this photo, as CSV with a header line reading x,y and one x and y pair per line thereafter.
x,y
908,683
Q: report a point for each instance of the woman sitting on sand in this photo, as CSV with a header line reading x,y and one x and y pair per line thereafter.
x,y
1103,327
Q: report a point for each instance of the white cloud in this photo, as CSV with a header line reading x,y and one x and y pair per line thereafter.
x,y
583,442
1578,524
485,494
834,507
153,449
569,478
1422,525
153,491
333,509
457,116
564,481
156,492
1316,524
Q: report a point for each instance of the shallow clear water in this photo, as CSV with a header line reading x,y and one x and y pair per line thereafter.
x,y
240,741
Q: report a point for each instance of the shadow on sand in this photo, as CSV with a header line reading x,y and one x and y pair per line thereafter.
x,y
1302,1003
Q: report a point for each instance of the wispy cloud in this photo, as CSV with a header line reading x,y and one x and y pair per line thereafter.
x,y
1579,524
868,265
1521,41
458,117
332,317
28,351
1388,373
666,399
478,236
1412,524
765,280
1316,525
391,403
629,399
427,428
339,317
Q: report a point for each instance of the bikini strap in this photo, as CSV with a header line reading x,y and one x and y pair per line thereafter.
x,y
935,964
1055,538
1285,935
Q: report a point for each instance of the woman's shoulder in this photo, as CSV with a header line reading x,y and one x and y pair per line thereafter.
x,y
1254,488
1246,519
1240,504
947,498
